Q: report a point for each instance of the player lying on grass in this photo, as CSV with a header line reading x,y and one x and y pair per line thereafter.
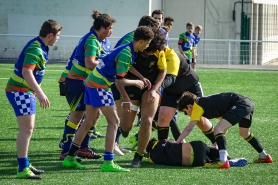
x,y
195,153
230,108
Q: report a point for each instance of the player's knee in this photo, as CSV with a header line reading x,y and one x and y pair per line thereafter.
x,y
146,121
218,130
244,134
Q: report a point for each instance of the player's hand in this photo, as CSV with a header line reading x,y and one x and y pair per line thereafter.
x,y
147,83
140,84
44,102
151,96
126,105
185,56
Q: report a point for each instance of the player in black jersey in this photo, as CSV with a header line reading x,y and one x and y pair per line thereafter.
x,y
194,153
185,80
154,69
230,108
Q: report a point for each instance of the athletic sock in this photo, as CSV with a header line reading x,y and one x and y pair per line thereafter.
x,y
22,163
69,133
221,142
162,132
210,135
74,147
223,155
66,122
86,141
108,156
263,154
175,129
67,119
254,142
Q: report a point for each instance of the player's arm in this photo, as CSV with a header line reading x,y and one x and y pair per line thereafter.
x,y
186,131
156,87
31,81
92,50
91,62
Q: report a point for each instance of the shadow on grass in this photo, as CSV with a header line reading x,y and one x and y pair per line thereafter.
x,y
59,110
39,127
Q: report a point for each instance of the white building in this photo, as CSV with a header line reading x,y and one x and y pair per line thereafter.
x,y
216,17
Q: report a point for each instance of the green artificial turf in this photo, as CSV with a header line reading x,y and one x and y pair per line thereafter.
x,y
260,86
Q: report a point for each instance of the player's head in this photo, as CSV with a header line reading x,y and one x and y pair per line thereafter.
x,y
147,20
166,28
169,21
158,15
143,35
158,42
50,31
190,27
186,102
103,24
198,30
150,144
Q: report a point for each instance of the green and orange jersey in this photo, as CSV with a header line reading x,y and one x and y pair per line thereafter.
x,y
127,38
113,65
187,42
88,46
34,56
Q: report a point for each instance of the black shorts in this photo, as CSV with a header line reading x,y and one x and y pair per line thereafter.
x,y
167,153
115,91
169,99
243,115
200,153
134,93
75,94
63,89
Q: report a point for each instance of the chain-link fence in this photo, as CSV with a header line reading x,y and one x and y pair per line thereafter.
x,y
210,51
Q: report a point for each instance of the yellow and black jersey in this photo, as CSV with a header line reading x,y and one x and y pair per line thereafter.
x,y
216,105
186,76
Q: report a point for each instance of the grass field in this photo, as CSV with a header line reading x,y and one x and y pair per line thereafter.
x,y
259,86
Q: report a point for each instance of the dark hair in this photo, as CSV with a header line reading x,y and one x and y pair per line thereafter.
x,y
190,24
100,20
149,21
166,28
186,99
50,26
168,19
157,12
158,42
150,144
143,33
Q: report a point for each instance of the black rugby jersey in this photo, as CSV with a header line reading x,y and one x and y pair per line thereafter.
x,y
214,106
146,66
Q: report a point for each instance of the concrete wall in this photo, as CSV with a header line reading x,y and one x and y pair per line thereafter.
x,y
214,15
26,16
